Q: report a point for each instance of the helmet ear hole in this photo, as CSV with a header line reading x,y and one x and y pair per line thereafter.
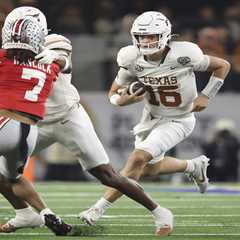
x,y
137,37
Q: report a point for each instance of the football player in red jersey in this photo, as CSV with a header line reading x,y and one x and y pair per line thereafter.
x,y
25,85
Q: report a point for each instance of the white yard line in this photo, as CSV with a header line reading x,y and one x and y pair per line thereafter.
x,y
136,207
199,224
176,215
195,195
126,234
144,215
125,200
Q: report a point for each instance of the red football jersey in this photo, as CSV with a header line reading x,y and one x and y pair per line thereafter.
x,y
25,87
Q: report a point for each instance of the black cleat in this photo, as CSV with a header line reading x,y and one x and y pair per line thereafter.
x,y
59,227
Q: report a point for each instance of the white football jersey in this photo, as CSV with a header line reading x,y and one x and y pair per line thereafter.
x,y
170,83
62,98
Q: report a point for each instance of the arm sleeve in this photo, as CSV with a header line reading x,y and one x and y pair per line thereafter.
x,y
123,77
202,65
198,61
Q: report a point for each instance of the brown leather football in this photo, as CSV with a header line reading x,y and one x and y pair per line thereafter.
x,y
134,86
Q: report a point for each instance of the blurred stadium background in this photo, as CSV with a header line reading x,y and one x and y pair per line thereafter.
x,y
97,30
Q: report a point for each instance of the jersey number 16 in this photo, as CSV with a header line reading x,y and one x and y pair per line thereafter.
x,y
165,95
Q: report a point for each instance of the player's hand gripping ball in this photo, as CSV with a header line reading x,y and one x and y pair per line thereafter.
x,y
134,87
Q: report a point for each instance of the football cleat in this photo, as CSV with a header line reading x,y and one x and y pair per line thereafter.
x,y
199,175
28,221
164,223
59,227
91,216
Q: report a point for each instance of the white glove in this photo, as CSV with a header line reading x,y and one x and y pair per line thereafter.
x,y
47,56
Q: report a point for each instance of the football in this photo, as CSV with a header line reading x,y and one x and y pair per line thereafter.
x,y
134,86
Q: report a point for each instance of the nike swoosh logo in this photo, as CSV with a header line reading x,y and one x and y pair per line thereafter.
x,y
64,121
176,121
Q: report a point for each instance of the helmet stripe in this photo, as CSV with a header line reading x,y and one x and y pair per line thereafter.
x,y
17,29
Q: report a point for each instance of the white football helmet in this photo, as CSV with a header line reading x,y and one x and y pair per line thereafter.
x,y
24,33
150,23
22,12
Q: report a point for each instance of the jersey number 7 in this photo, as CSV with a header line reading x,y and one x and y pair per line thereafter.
x,y
28,74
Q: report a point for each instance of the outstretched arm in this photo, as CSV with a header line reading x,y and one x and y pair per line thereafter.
x,y
219,68
61,57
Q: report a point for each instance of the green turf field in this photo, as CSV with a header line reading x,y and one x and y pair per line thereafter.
x,y
210,216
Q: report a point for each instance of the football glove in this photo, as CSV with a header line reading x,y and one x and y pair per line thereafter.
x,y
47,56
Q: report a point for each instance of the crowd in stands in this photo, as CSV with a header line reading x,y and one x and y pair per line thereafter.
x,y
214,25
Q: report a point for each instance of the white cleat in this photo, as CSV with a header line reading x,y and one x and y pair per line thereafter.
x,y
199,175
28,221
91,216
164,223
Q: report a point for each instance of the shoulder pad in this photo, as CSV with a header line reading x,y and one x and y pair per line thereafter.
x,y
189,50
127,55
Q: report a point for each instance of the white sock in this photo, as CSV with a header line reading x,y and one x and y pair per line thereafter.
x,y
46,211
24,211
156,211
190,166
103,204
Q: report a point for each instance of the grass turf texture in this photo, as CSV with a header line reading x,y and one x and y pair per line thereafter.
x,y
197,217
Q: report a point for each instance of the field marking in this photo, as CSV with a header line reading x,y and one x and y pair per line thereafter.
x,y
176,225
126,234
125,200
196,195
142,215
176,215
136,207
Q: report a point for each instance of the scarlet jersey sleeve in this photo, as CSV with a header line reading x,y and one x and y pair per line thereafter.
x,y
25,87
55,70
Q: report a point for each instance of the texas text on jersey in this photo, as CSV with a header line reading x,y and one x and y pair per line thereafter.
x,y
25,87
170,83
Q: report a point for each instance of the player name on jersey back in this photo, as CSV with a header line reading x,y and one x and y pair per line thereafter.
x,y
24,87
33,64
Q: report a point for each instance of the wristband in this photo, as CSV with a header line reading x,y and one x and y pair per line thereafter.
x,y
114,99
213,86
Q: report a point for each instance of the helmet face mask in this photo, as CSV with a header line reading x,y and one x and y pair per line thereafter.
x,y
147,42
151,23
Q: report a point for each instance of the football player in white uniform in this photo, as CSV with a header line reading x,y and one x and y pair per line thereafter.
x,y
166,68
67,122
